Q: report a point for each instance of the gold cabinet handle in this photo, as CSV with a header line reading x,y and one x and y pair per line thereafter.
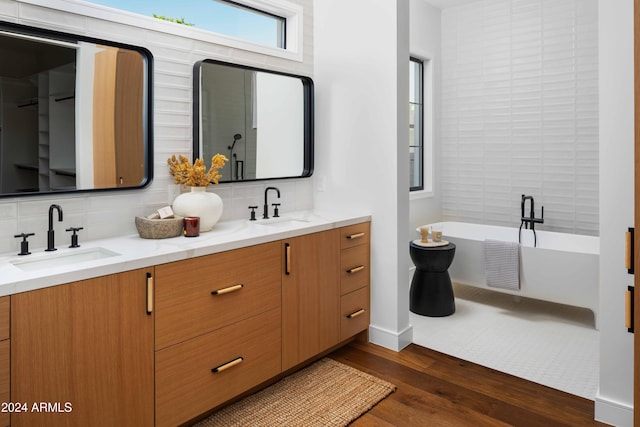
x,y
355,236
355,269
356,313
628,305
629,255
149,293
229,364
227,289
287,258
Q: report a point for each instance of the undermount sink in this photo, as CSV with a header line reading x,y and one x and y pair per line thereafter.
x,y
282,222
70,257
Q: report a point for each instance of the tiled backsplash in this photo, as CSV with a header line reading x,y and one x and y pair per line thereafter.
x,y
109,214
520,112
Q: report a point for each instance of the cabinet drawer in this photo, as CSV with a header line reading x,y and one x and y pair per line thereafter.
x,y
4,379
354,310
354,268
354,235
186,301
185,384
4,317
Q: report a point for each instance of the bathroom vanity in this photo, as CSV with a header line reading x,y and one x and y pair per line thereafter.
x,y
167,342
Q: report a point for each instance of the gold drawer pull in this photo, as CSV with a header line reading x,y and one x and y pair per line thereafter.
x,y
227,365
628,305
355,269
356,313
355,236
149,293
287,259
629,250
227,290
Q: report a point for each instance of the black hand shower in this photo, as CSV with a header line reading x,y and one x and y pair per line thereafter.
x,y
236,137
232,156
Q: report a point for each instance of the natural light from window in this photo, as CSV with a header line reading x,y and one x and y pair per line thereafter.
x,y
416,125
222,17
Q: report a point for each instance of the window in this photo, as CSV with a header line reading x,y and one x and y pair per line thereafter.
x,y
219,16
416,125
252,24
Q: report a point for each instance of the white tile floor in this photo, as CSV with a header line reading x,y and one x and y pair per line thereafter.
x,y
550,344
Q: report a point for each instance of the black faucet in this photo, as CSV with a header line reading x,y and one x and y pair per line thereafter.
x,y
265,214
531,220
50,235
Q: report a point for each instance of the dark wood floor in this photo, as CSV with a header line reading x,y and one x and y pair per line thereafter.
x,y
434,389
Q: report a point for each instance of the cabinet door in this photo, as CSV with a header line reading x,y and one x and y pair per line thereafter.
x,y
310,296
83,353
187,303
5,344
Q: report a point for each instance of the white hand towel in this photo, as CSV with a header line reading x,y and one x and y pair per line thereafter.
x,y
502,264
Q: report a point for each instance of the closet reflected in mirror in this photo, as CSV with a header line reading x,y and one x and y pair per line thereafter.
x,y
261,120
74,113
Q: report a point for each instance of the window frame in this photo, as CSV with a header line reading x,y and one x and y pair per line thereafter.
x,y
293,14
428,123
253,9
420,102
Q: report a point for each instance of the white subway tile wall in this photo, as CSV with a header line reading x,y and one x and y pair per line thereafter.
x,y
520,112
111,214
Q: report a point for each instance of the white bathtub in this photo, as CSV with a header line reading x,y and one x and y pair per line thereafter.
x,y
563,268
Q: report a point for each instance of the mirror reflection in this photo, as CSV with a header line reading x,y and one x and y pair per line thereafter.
x,y
262,121
73,113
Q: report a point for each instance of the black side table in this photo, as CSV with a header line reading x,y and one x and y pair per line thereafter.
x,y
431,293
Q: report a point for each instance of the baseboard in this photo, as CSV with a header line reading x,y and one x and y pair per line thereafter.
x,y
613,413
390,339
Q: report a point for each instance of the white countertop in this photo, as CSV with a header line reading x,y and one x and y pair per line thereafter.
x,y
132,252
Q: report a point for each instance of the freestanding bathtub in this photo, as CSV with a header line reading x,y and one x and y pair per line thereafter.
x,y
562,268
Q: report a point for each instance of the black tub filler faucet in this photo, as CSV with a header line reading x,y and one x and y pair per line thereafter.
x,y
530,221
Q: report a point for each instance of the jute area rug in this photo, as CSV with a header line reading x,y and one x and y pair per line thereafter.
x,y
327,393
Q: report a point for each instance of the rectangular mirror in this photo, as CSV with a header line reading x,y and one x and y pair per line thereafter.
x,y
75,113
261,120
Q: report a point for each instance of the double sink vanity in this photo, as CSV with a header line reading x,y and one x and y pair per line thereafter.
x,y
130,331
138,332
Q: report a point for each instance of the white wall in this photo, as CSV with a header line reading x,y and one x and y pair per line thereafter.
x,y
614,401
175,49
280,123
361,56
424,43
520,112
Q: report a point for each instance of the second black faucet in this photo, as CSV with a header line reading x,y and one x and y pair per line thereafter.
x,y
51,245
265,214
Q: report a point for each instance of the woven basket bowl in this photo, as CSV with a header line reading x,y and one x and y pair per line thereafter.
x,y
159,228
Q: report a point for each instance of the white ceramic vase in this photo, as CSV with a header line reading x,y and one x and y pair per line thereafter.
x,y
201,203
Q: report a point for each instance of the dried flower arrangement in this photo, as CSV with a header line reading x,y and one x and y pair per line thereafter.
x,y
196,175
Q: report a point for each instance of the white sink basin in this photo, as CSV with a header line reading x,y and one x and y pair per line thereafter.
x,y
282,222
70,257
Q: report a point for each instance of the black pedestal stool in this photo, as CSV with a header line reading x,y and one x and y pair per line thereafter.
x,y
431,292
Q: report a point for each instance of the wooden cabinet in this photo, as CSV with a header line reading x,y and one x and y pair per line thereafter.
x,y
202,294
310,292
83,353
325,291
217,329
5,348
354,279
206,371
164,345
118,86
